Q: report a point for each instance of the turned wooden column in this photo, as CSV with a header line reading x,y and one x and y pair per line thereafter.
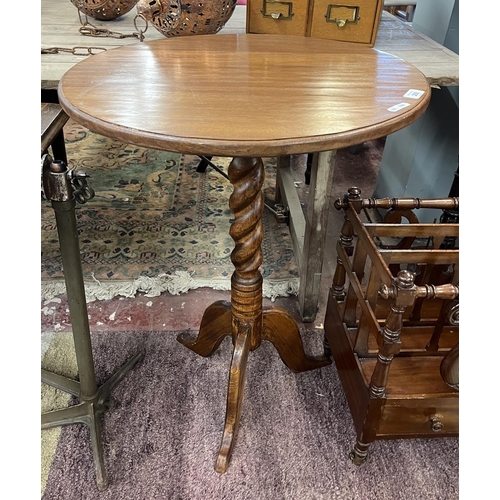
x,y
344,243
244,318
247,204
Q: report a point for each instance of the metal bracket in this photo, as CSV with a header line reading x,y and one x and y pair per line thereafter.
x,y
59,183
280,212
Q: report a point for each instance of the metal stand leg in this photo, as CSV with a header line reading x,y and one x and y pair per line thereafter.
x,y
63,189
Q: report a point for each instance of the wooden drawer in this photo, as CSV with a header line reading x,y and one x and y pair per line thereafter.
x,y
290,18
349,21
417,418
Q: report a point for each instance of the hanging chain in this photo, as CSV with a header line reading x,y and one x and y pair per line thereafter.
x,y
88,29
76,51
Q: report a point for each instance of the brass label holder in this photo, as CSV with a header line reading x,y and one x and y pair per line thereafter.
x,y
339,15
276,14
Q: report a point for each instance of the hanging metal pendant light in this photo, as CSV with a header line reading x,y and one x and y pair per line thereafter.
x,y
187,17
104,10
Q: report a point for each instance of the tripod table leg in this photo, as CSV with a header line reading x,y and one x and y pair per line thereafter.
x,y
244,318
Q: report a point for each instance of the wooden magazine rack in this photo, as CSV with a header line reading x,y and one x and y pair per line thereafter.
x,y
392,319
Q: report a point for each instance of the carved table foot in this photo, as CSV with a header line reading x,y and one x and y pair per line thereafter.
x,y
215,325
235,393
282,331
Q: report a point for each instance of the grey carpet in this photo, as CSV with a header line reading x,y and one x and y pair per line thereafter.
x,y
296,431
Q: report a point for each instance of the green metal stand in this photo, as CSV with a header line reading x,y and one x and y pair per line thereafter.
x,y
59,187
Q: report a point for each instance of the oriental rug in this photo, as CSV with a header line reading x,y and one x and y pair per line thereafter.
x,y
163,434
156,224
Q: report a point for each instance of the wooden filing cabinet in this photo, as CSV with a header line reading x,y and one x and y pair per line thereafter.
x,y
348,21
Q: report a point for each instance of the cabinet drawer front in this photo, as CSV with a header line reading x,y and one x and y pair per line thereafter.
x,y
349,21
277,17
426,417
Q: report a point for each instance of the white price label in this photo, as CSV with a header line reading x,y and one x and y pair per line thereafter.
x,y
414,94
399,106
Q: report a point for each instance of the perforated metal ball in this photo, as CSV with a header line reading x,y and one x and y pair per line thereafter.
x,y
189,17
104,10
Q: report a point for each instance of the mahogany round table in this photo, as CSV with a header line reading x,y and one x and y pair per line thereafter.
x,y
245,96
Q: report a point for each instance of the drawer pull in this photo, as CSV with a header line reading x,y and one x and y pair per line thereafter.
x,y
272,5
436,424
342,15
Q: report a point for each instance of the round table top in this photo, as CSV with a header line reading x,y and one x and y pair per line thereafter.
x,y
244,95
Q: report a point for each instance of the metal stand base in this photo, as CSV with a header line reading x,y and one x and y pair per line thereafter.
x,y
63,189
88,411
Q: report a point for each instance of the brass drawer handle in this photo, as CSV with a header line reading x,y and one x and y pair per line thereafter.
x,y
276,14
338,16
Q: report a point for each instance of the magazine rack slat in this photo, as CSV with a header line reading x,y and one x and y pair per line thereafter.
x,y
392,320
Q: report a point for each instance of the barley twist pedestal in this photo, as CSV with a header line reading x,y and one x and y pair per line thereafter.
x,y
244,318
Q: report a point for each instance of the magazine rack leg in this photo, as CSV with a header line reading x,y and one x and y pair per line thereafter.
x,y
63,191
